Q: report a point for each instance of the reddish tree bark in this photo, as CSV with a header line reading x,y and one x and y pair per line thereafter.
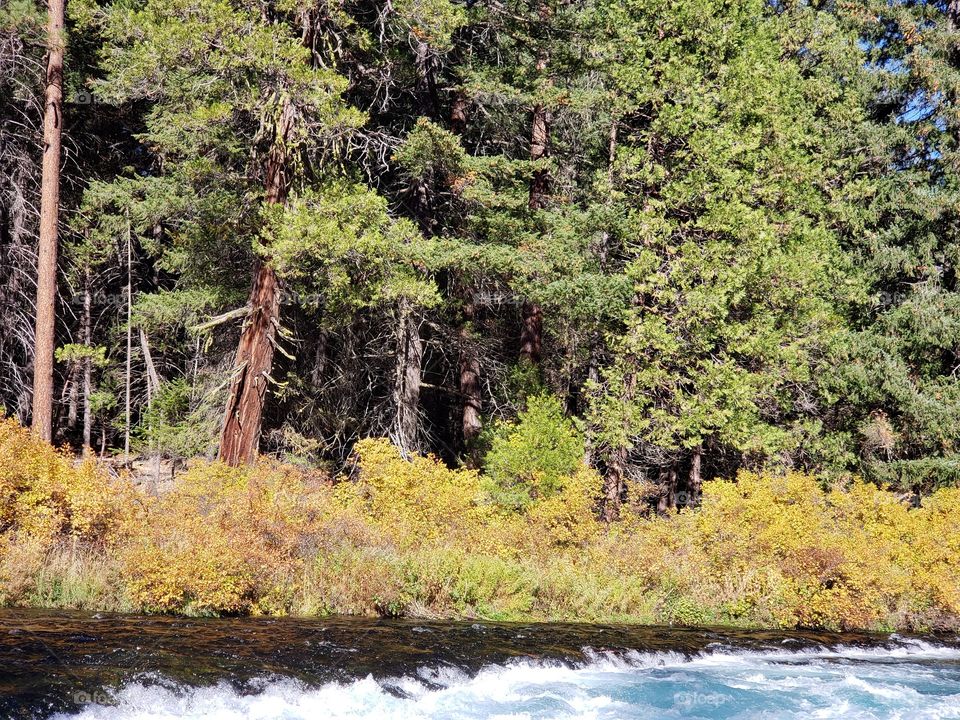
x,y
458,113
240,438
49,219
531,334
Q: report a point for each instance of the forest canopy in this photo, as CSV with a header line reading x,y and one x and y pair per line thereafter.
x,y
672,241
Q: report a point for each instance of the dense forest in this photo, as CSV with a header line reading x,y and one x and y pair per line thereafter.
x,y
701,236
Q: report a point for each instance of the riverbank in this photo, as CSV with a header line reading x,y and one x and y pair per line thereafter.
x,y
416,539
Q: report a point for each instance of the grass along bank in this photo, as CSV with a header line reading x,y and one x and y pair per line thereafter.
x,y
414,538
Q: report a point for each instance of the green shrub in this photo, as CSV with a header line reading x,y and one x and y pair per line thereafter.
x,y
531,458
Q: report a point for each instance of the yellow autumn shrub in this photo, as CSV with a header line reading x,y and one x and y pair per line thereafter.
x,y
413,537
420,500
50,502
935,545
45,493
569,517
226,540
781,550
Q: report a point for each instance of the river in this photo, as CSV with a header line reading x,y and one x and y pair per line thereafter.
x,y
63,665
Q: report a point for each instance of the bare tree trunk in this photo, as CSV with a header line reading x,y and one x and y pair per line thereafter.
x,y
406,392
614,484
153,385
668,490
470,380
696,482
49,219
426,80
87,331
240,438
126,427
153,378
73,396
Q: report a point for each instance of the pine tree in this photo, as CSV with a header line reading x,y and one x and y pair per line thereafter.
x,y
238,110
49,221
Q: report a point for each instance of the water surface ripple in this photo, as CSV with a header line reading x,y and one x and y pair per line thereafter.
x,y
115,667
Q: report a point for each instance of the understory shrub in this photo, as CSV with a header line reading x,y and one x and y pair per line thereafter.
x,y
531,458
415,538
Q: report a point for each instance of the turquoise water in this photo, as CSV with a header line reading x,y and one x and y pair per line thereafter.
x,y
921,681
125,667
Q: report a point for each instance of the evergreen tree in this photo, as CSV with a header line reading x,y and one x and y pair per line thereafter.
x,y
44,336
238,111
739,284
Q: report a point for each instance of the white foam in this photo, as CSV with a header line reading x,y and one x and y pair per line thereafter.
x,y
841,682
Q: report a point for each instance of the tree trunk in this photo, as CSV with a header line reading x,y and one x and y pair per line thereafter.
x,y
668,490
531,333
49,218
540,134
696,482
87,330
458,113
73,396
153,378
406,391
240,438
615,477
539,139
614,484
469,361
126,428
426,88
469,380
318,367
